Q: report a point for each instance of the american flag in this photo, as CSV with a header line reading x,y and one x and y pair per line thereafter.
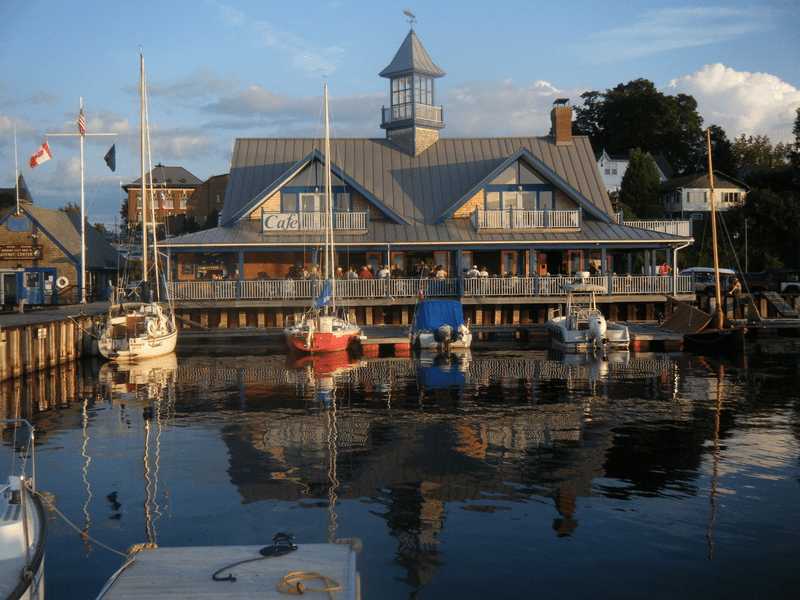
x,y
81,124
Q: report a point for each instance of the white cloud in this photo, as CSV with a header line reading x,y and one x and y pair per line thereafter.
x,y
307,58
672,28
742,102
502,108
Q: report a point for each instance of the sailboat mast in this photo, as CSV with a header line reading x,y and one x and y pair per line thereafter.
x,y
718,314
329,272
144,186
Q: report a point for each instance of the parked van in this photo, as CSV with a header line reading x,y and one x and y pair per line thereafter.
x,y
704,282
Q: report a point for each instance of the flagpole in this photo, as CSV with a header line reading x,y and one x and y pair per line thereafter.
x,y
82,133
16,167
83,216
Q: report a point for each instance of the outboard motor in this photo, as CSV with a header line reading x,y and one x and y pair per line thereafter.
x,y
444,333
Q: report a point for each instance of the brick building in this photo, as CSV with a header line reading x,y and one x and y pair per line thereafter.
x,y
172,189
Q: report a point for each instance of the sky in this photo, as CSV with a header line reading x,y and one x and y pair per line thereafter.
x,y
218,70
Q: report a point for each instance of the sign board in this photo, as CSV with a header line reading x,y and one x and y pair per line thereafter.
x,y
280,222
20,253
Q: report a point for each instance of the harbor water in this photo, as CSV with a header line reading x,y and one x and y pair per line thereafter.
x,y
495,473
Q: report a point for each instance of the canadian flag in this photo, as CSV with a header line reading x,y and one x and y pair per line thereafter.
x,y
41,155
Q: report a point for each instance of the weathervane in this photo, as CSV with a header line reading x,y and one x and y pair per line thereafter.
x,y
411,17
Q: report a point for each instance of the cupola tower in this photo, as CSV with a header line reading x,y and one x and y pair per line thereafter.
x,y
412,122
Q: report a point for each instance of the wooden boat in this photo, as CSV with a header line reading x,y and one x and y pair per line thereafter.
x,y
703,332
582,326
22,529
439,325
323,328
142,329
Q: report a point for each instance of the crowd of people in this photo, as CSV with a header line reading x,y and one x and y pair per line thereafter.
x,y
420,270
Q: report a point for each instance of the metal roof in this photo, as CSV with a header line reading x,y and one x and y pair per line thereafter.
x,y
420,189
702,181
411,57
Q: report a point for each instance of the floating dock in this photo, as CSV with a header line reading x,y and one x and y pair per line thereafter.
x,y
240,572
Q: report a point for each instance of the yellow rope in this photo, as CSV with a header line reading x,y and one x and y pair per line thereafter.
x,y
291,583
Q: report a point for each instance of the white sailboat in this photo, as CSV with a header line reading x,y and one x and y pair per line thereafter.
x,y
323,328
141,329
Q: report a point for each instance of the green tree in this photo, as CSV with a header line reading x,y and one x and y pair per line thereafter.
x,y
757,151
71,208
773,229
638,190
722,155
637,115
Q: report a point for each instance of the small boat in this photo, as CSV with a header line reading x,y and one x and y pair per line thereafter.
x,y
146,329
703,332
22,528
582,325
439,325
323,328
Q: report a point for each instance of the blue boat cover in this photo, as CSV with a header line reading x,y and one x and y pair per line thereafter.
x,y
432,314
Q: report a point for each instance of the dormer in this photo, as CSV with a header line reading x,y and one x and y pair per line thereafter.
x,y
412,122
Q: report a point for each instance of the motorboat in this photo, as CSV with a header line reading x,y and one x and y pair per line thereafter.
x,y
582,326
22,527
439,325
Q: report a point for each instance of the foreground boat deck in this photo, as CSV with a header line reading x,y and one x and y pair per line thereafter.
x,y
173,573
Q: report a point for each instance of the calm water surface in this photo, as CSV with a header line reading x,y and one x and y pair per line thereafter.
x,y
496,474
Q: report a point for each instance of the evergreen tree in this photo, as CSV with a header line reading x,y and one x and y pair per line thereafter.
x,y
638,191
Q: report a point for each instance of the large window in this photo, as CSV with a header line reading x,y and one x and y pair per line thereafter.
x,y
401,90
519,187
423,90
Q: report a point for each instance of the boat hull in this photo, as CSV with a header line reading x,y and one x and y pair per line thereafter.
x,y
428,340
319,342
13,553
137,332
616,337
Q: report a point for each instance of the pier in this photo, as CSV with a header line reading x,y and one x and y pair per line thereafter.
x,y
35,340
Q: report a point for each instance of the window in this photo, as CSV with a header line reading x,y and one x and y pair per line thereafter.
x,y
611,168
423,90
312,203
184,200
730,197
401,91
167,201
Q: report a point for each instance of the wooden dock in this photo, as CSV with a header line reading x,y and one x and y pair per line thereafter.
x,y
181,573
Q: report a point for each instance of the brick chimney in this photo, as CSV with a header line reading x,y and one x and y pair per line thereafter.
x,y
561,122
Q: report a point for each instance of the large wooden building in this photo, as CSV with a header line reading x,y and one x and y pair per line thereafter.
x,y
523,207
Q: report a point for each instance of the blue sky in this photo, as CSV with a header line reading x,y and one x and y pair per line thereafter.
x,y
218,70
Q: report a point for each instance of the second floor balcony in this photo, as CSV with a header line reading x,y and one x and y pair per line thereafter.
x,y
314,221
412,111
512,218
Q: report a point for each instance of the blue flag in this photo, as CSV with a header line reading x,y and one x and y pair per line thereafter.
x,y
325,297
111,158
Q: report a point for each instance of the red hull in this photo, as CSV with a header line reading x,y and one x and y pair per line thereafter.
x,y
321,342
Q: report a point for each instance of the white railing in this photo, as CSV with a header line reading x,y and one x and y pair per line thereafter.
x,y
681,228
526,219
377,288
318,221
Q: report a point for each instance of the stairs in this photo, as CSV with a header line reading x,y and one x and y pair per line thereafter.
x,y
783,309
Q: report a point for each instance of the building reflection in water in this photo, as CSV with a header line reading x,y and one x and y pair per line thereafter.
x,y
416,438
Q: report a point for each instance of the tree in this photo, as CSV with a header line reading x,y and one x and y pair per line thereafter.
x,y
638,190
71,208
722,154
757,152
636,115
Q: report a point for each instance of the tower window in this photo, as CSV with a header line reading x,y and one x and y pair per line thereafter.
x,y
401,91
423,90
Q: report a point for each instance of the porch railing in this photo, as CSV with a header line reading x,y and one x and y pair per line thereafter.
x,y
377,288
526,219
318,221
682,228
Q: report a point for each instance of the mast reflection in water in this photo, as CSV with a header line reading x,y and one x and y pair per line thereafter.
x,y
526,471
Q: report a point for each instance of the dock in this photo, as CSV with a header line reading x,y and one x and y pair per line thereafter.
x,y
240,572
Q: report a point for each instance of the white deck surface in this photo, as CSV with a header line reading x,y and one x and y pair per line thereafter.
x,y
168,573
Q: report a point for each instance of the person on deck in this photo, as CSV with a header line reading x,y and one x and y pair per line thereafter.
x,y
424,271
351,273
664,269
474,272
440,272
365,273
384,272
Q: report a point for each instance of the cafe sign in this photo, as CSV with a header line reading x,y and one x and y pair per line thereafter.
x,y
20,253
278,222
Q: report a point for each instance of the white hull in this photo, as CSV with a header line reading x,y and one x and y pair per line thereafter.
x,y
137,331
22,536
616,336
